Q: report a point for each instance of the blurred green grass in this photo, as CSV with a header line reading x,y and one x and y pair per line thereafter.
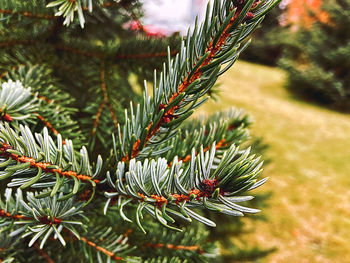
x,y
309,213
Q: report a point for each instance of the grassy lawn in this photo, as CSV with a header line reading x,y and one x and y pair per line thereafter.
x,y
309,213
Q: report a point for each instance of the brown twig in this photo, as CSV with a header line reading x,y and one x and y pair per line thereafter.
x,y
43,254
16,42
47,124
219,145
176,247
40,97
78,51
103,85
209,186
16,217
44,166
127,233
105,96
98,115
27,14
114,117
101,249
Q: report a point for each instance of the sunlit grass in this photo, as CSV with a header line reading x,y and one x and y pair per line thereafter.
x,y
309,213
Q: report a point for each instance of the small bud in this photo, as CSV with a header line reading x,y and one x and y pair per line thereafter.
x,y
249,16
209,186
7,118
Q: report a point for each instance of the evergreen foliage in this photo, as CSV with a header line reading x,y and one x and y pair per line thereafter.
x,y
317,63
64,97
268,43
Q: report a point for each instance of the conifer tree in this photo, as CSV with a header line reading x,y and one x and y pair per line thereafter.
x,y
318,60
89,165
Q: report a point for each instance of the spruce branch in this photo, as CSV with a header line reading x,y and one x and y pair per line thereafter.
x,y
41,218
206,183
79,51
53,107
105,103
188,77
38,162
221,144
67,9
99,114
26,14
101,249
99,118
104,245
38,9
27,9
106,98
226,128
107,243
195,248
191,244
17,102
10,247
16,42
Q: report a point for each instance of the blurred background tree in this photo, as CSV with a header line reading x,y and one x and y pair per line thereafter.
x,y
318,59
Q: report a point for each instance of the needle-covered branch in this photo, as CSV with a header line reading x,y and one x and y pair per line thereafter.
x,y
27,9
191,244
207,183
103,245
185,80
40,218
17,102
45,102
225,128
68,8
36,161
41,10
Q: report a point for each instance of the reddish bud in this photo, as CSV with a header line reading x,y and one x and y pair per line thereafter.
x,y
7,118
209,186
45,220
249,15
